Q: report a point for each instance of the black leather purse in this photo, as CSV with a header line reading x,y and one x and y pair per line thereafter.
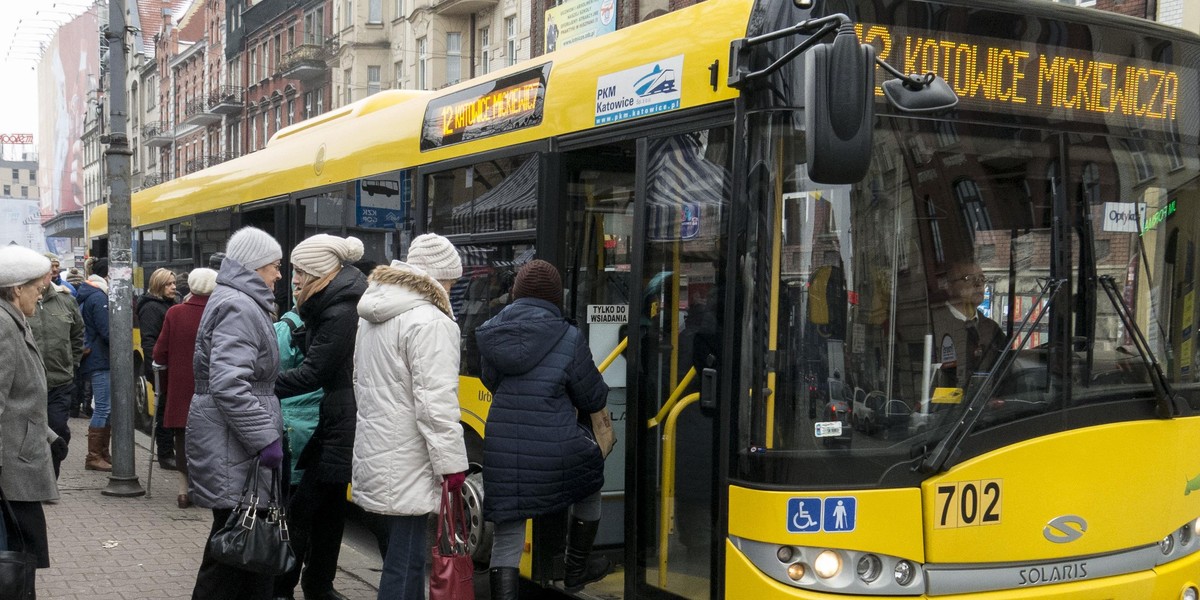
x,y
255,539
18,570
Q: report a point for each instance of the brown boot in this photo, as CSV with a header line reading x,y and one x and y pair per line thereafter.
x,y
97,439
104,446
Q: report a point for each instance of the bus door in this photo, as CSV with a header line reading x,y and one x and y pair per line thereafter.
x,y
643,253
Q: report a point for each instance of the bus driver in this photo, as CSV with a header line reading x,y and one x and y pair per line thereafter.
x,y
965,340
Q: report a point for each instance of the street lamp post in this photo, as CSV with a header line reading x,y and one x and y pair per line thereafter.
x,y
123,481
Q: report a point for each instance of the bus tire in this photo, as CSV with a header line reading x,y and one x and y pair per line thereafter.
x,y
141,404
479,538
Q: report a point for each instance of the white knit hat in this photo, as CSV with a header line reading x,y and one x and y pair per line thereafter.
x,y
322,254
19,264
435,255
202,281
253,248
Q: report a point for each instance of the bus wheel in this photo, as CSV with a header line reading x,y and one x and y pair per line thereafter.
x,y
141,405
479,538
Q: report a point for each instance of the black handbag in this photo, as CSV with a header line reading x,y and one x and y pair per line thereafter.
x,y
18,570
255,539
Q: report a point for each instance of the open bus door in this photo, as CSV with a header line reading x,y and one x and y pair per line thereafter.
x,y
643,250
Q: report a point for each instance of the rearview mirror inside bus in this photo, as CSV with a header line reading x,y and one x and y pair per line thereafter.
x,y
933,95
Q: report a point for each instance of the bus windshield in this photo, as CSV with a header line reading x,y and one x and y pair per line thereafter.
x,y
876,311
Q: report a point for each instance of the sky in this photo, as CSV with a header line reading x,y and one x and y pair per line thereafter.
x,y
23,25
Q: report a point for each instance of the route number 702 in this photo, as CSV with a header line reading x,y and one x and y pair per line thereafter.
x,y
967,504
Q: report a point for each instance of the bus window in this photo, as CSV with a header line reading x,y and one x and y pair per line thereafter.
x,y
495,195
212,231
485,287
181,242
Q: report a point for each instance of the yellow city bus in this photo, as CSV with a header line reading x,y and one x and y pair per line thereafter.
x,y
964,368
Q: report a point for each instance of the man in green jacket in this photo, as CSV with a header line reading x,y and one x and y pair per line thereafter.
x,y
58,329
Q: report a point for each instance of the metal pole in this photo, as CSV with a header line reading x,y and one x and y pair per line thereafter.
x,y
123,481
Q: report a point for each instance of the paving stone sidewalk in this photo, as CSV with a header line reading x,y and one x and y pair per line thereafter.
x,y
104,548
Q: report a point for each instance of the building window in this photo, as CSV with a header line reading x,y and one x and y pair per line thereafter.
x,y
373,79
374,12
1140,158
266,122
398,82
291,37
266,71
16,174
422,63
277,50
399,8
314,24
346,96
308,104
291,112
347,12
453,57
970,202
320,101
278,117
24,192
253,133
510,26
8,190
485,43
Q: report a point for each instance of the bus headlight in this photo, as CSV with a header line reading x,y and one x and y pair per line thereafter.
x,y
796,571
869,567
828,564
1189,593
905,572
1167,545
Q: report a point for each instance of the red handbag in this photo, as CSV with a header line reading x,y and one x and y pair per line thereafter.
x,y
452,571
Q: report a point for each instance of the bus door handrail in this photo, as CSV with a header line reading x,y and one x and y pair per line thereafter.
x,y
675,395
666,509
612,356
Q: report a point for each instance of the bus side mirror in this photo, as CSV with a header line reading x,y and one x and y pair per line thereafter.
x,y
839,109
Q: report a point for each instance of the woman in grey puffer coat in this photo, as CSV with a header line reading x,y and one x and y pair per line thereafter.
x,y
234,415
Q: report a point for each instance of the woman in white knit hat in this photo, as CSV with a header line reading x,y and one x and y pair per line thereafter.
x,y
409,440
234,415
174,350
327,292
28,473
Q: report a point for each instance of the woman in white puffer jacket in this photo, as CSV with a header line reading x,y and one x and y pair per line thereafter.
x,y
408,436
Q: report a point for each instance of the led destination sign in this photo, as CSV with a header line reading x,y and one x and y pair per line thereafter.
x,y
993,74
499,106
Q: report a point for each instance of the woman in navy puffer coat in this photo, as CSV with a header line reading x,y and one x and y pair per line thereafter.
x,y
539,455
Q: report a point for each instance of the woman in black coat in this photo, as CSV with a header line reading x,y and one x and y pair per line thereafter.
x,y
538,458
328,291
152,311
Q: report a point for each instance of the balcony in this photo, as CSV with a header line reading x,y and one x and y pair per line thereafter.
x,y
152,179
452,8
304,62
158,134
203,162
229,100
196,112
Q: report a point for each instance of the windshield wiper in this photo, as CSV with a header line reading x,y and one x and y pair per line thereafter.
x,y
949,444
1168,404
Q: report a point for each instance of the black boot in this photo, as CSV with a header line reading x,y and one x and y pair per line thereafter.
x,y
504,583
582,568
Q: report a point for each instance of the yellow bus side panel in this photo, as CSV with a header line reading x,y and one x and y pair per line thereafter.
x,y
1127,481
889,521
475,401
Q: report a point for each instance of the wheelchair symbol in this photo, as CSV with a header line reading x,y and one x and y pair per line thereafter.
x,y
807,522
804,515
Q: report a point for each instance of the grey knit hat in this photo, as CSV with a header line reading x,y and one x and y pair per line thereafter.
x,y
435,255
253,248
19,264
322,254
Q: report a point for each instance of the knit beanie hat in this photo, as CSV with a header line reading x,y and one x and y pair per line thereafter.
x,y
435,255
19,264
253,248
539,279
323,254
202,281
74,276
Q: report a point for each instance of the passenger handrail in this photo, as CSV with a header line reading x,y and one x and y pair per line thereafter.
x,y
612,356
675,394
666,514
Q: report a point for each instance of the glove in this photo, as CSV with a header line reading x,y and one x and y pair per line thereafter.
x,y
58,450
454,481
271,456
